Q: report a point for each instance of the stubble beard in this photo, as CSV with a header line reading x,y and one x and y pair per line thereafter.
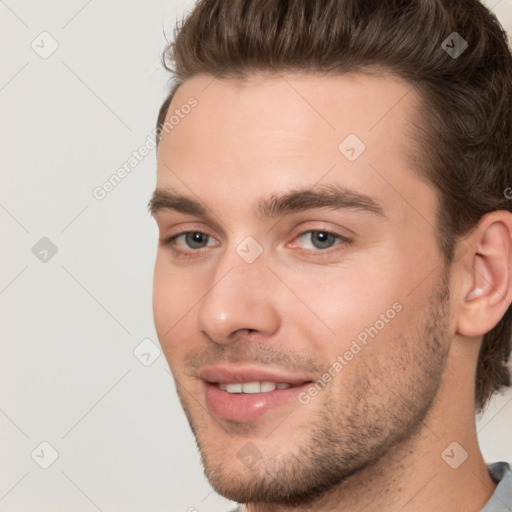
x,y
344,437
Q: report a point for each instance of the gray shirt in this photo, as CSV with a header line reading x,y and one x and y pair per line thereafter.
x,y
501,500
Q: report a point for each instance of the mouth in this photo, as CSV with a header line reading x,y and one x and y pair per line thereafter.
x,y
245,396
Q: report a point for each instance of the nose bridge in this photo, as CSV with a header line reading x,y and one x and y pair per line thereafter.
x,y
239,295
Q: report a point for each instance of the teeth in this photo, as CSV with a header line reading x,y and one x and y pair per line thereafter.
x,y
268,386
234,388
253,387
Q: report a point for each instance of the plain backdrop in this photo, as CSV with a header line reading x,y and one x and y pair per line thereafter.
x,y
84,390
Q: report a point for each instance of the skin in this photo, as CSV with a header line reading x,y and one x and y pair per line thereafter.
x,y
372,439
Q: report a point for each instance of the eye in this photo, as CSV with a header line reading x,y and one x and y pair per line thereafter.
x,y
321,240
194,239
187,240
187,243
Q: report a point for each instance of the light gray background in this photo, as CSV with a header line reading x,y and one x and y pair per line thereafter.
x,y
69,325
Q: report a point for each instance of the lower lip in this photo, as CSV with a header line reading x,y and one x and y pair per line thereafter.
x,y
247,406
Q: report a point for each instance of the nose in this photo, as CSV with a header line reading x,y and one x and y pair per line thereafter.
x,y
241,296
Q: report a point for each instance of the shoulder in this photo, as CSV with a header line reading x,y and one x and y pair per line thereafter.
x,y
501,500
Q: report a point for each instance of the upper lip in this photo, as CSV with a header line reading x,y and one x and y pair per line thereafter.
x,y
224,374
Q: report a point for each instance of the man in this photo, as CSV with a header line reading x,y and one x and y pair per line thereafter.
x,y
334,272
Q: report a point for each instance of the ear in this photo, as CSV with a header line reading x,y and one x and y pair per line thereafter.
x,y
487,282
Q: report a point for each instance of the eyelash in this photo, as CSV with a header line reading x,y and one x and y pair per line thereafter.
x,y
191,253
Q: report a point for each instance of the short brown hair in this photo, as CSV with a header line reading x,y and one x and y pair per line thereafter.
x,y
464,139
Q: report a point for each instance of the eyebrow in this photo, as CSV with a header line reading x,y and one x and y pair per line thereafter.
x,y
333,197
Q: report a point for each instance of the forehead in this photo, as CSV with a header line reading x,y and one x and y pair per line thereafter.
x,y
289,130
298,105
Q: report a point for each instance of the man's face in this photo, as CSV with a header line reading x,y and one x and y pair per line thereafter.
x,y
342,296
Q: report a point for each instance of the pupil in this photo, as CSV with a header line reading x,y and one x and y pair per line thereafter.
x,y
325,239
196,239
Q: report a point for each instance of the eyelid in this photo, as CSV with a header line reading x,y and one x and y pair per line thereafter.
x,y
319,225
189,228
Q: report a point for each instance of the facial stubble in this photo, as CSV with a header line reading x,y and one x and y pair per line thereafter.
x,y
385,406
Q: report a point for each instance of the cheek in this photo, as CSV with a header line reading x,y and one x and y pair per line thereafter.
x,y
366,303
162,293
171,305
345,300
